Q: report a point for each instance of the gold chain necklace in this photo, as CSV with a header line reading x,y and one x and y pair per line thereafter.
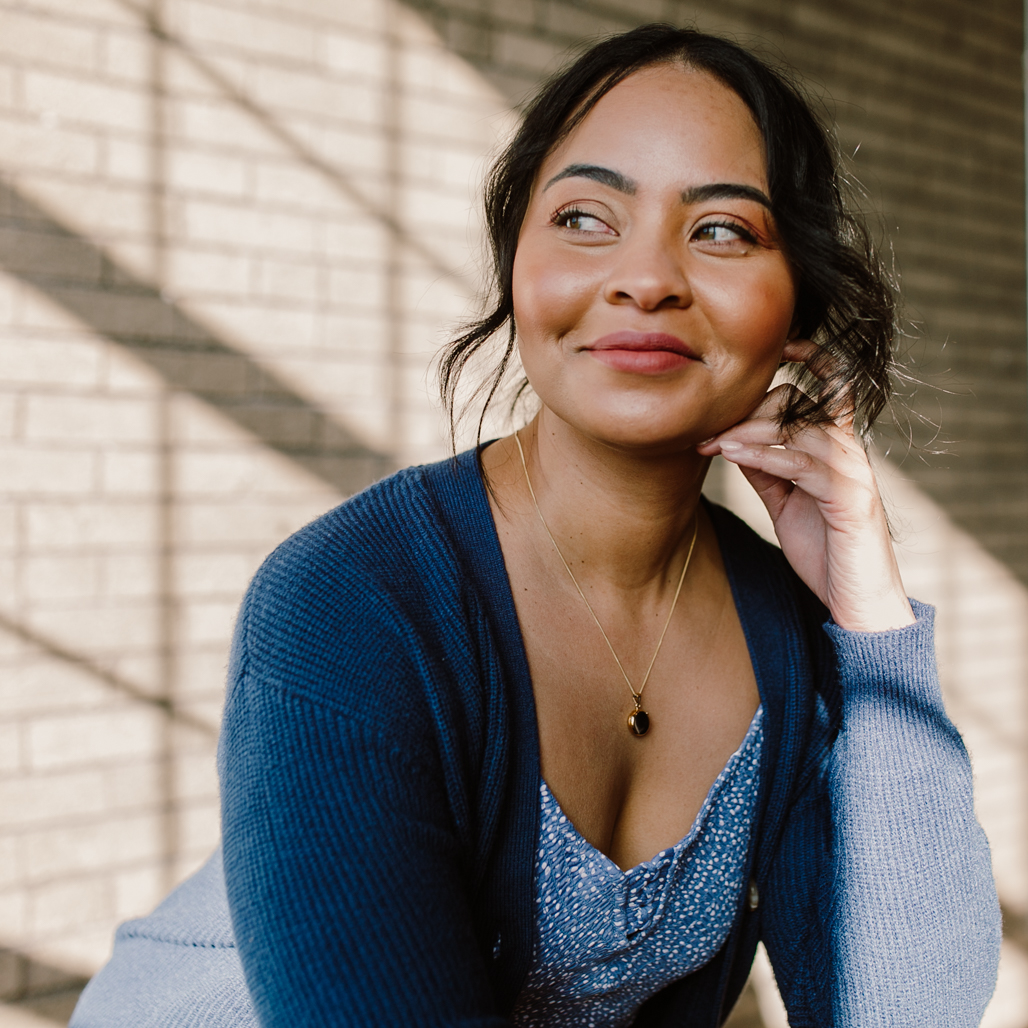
x,y
638,720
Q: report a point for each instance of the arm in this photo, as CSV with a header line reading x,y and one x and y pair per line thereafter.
x,y
884,910
344,864
881,909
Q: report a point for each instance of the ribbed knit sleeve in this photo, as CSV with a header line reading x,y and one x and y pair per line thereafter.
x,y
346,860
882,910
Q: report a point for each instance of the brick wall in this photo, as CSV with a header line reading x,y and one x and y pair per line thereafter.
x,y
231,237
232,234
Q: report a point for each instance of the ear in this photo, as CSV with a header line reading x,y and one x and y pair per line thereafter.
x,y
793,335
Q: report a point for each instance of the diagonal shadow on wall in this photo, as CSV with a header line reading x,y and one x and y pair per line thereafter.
x,y
24,978
53,648
97,290
301,151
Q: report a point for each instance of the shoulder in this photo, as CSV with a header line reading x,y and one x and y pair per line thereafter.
x,y
371,585
375,535
388,542
783,622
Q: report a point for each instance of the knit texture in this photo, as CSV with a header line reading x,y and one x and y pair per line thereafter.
x,y
380,773
178,967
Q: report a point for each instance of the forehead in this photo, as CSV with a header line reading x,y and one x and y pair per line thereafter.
x,y
668,125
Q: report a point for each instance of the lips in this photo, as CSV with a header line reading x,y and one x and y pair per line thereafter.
x,y
643,353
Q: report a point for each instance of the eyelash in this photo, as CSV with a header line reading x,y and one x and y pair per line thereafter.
x,y
562,216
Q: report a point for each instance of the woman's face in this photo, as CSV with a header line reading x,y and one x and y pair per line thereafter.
x,y
651,296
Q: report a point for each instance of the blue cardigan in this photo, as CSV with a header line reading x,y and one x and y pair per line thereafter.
x,y
380,773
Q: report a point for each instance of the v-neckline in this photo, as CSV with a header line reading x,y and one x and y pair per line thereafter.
x,y
713,793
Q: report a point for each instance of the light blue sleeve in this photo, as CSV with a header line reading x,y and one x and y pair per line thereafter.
x,y
882,911
177,968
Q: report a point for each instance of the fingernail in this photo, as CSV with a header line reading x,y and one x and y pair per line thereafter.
x,y
730,445
706,441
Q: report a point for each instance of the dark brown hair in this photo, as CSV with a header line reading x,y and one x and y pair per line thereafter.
x,y
844,300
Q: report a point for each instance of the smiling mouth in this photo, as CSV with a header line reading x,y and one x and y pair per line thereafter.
x,y
641,353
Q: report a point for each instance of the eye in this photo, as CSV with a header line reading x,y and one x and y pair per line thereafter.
x,y
723,233
579,221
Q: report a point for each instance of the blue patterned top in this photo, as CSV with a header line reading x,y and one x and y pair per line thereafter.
x,y
609,939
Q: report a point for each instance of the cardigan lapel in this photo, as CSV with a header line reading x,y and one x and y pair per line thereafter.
x,y
767,596
508,793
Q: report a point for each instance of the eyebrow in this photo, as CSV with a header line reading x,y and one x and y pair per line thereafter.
x,y
725,191
605,176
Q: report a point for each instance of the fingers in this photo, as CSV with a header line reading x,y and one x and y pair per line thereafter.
x,y
845,487
800,351
774,401
816,358
762,445
764,414
820,364
824,461
762,427
828,443
774,492
818,486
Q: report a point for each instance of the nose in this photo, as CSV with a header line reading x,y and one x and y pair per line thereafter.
x,y
648,272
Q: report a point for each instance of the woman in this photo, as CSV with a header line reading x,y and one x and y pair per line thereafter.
x,y
537,736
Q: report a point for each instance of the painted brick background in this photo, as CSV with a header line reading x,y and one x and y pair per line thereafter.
x,y
232,236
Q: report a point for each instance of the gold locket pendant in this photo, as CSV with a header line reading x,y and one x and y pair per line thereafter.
x,y
638,722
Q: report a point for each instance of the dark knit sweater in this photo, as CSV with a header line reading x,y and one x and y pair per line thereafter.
x,y
380,775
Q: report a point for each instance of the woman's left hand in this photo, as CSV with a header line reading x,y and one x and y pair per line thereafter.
x,y
818,487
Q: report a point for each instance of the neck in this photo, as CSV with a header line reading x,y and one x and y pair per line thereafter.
x,y
619,516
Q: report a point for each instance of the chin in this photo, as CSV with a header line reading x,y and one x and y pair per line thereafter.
x,y
650,416
655,432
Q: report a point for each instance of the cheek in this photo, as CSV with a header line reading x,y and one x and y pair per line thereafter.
x,y
549,297
754,316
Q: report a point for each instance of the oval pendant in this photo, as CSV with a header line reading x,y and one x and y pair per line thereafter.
x,y
638,722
